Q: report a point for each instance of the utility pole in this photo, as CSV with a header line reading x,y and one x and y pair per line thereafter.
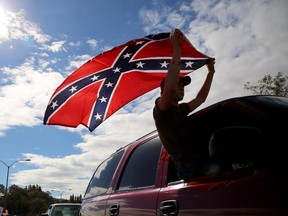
x,y
8,170
7,177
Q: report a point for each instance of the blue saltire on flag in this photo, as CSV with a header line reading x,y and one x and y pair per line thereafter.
x,y
110,80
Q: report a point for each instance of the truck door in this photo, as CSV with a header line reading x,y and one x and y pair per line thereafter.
x,y
97,192
137,193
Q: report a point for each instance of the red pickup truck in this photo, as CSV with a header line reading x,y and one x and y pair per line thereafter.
x,y
245,137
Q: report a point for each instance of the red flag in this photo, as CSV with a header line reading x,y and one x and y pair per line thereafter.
x,y
107,82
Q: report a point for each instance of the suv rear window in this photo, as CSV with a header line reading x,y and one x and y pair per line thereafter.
x,y
141,169
103,175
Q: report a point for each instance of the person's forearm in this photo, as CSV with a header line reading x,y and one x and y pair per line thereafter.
x,y
174,68
174,65
176,53
204,91
172,77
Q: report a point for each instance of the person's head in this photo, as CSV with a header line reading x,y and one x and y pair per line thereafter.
x,y
183,81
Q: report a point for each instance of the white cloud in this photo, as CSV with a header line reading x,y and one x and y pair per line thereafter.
x,y
93,43
26,94
75,44
55,46
16,27
245,40
75,62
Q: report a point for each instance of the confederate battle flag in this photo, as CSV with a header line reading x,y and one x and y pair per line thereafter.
x,y
107,82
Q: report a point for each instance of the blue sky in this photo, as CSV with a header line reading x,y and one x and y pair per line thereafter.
x,y
42,42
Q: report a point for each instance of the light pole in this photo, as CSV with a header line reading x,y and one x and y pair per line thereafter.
x,y
8,169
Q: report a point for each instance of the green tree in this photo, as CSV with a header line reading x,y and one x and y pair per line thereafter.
x,y
270,86
30,200
2,192
75,199
16,199
38,200
2,189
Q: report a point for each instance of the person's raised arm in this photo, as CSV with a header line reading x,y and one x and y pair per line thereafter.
x,y
204,90
172,77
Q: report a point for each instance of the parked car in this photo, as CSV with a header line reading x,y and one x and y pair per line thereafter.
x,y
63,209
245,138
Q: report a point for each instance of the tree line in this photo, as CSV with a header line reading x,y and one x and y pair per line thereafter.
x,y
29,201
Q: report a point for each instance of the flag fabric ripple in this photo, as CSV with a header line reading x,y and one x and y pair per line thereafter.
x,y
110,80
